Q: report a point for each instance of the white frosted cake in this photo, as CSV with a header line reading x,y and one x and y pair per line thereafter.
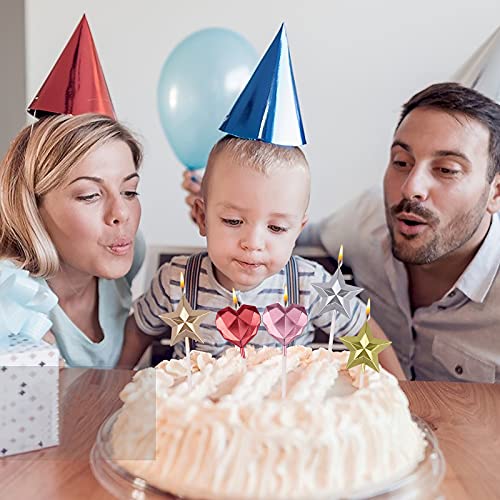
x,y
233,437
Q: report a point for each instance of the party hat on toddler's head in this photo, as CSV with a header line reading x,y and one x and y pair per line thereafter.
x,y
76,84
268,107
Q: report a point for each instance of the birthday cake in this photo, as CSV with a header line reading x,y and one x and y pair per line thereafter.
x,y
232,436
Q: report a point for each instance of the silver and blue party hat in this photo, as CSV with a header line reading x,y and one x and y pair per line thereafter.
x,y
481,71
268,107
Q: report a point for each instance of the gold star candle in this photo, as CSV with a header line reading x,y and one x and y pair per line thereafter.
x,y
364,348
185,323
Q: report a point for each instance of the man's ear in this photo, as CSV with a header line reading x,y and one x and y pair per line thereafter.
x,y
494,199
199,215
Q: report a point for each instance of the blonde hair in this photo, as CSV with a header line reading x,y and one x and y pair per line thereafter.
x,y
260,156
39,160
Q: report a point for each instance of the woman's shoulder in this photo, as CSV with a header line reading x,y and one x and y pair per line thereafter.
x,y
25,301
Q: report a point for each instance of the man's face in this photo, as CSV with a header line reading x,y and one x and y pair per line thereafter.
x,y
435,186
251,220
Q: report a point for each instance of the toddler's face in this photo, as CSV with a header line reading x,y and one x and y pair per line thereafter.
x,y
251,221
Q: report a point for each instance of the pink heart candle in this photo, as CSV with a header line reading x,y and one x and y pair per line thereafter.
x,y
285,324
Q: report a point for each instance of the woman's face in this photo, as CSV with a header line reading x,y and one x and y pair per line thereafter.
x,y
93,217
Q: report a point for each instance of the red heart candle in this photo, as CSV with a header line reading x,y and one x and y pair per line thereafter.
x,y
238,326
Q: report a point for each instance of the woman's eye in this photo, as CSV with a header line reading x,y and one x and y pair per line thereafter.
x,y
88,197
131,194
277,229
232,222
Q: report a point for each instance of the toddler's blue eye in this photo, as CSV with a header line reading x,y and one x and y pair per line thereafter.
x,y
232,222
277,229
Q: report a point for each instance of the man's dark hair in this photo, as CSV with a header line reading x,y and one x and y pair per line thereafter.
x,y
454,98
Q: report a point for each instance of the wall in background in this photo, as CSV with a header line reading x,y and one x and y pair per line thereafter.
x,y
355,63
12,64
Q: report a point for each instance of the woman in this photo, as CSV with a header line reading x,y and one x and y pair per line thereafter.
x,y
69,214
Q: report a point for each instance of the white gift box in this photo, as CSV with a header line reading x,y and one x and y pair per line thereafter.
x,y
29,395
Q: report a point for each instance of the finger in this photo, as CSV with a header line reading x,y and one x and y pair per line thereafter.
x,y
191,187
195,188
192,175
190,199
49,338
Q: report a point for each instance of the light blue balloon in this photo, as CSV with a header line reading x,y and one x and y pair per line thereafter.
x,y
199,83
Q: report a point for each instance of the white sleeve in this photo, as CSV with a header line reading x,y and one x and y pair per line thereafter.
x,y
310,235
345,226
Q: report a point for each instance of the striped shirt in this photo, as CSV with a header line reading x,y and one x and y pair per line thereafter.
x,y
165,292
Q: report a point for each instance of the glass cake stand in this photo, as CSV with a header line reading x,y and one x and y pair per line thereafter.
x,y
422,483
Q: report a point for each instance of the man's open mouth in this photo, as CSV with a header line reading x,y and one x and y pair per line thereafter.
x,y
411,222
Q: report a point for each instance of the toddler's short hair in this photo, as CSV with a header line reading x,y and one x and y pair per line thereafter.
x,y
260,156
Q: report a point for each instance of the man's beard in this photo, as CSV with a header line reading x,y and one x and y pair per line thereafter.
x,y
444,241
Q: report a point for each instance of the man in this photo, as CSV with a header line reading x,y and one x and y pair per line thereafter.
x,y
427,252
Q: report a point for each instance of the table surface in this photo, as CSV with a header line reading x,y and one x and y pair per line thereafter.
x,y
465,418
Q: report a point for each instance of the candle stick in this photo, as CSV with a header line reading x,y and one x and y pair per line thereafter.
x,y
283,358
332,330
283,374
336,297
185,323
186,344
368,316
333,323
188,363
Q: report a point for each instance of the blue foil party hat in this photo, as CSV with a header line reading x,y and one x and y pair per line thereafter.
x,y
268,107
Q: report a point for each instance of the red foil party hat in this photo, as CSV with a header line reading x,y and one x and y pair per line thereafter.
x,y
76,84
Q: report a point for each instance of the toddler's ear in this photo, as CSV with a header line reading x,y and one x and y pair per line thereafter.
x,y
305,220
199,215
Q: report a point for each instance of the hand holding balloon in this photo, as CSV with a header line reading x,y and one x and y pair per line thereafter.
x,y
191,182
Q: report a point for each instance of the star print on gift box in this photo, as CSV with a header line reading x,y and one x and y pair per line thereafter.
x,y
185,322
364,348
336,294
